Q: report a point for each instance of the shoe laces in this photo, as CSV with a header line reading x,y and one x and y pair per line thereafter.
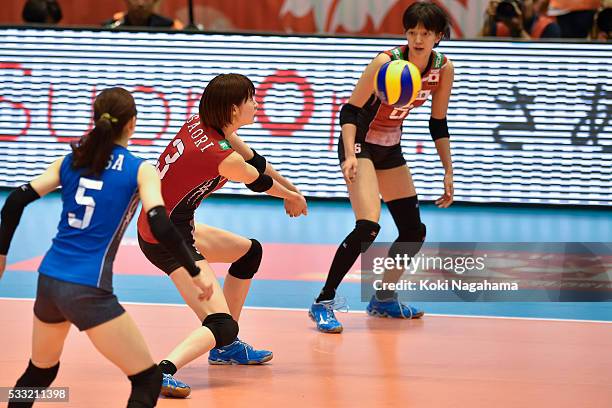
x,y
339,303
173,382
402,307
244,344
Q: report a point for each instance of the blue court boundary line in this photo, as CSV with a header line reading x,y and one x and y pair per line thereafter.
x,y
297,309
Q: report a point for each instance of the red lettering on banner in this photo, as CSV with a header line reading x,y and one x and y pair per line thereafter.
x,y
193,100
335,108
15,65
17,105
26,111
160,95
283,77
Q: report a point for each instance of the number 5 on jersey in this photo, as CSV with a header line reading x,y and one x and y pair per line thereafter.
x,y
87,201
168,159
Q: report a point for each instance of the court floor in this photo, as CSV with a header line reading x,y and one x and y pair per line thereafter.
x,y
460,354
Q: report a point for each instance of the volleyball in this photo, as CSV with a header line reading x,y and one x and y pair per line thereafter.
x,y
397,83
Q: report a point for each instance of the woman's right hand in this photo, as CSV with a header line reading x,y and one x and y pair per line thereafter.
x,y
349,169
207,288
296,205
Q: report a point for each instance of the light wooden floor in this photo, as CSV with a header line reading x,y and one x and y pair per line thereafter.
x,y
433,362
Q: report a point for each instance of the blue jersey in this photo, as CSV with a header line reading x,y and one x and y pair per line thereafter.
x,y
96,211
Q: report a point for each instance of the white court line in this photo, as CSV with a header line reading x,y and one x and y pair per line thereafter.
x,y
302,310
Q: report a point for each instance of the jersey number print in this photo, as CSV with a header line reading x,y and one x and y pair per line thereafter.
x,y
87,201
180,148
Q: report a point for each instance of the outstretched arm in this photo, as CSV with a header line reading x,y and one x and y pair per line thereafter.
x,y
259,162
19,199
236,169
292,207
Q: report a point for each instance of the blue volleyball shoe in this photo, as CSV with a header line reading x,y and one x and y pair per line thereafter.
x,y
238,352
392,308
171,387
322,313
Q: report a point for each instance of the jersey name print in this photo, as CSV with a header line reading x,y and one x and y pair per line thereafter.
x,y
189,172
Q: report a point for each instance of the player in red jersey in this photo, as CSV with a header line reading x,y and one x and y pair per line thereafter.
x,y
201,158
373,165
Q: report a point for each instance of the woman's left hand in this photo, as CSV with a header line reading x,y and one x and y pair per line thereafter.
x,y
447,198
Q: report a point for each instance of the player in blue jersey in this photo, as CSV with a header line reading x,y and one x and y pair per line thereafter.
x,y
101,182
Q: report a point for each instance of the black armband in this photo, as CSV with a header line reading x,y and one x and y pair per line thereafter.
x,y
258,161
167,235
438,128
349,114
11,213
261,184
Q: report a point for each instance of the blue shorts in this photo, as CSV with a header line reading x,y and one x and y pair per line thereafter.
x,y
84,306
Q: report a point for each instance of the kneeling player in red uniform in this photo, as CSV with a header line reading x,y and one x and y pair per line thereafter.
x,y
198,161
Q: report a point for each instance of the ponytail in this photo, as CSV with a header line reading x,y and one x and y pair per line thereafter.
x,y
113,109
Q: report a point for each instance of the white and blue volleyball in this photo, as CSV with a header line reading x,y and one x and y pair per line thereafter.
x,y
397,83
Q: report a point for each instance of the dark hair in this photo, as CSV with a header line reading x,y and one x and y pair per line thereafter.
x,y
223,92
432,16
41,11
604,20
113,109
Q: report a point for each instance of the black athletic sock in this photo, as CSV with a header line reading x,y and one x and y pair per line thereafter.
x,y
326,294
347,253
167,367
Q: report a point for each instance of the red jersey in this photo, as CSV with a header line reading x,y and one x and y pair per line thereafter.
x,y
380,123
189,172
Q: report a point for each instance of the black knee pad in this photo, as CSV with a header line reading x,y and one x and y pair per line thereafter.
x,y
409,242
145,388
223,327
33,377
248,264
405,212
363,235
37,377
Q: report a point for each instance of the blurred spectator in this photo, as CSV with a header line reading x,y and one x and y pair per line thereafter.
x,y
518,19
602,29
575,17
140,13
541,6
41,12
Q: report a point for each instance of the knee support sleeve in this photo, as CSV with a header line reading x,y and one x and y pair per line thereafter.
x,y
363,235
223,327
145,388
37,377
248,264
407,218
33,377
409,242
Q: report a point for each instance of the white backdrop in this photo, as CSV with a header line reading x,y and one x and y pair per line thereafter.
x,y
530,122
